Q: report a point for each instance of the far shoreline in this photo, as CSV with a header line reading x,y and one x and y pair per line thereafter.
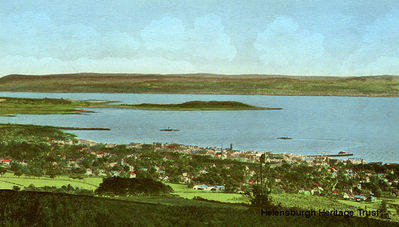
x,y
227,94
210,84
213,94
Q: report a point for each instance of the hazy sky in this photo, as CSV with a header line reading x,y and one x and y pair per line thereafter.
x,y
219,36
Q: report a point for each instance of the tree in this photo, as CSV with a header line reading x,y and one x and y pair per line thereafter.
x,y
17,168
3,170
260,192
16,188
384,213
260,197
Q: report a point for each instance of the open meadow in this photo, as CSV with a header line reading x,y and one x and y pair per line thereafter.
x,y
184,196
9,180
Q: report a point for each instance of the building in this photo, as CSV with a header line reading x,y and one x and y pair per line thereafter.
x,y
359,197
202,187
218,188
6,162
132,174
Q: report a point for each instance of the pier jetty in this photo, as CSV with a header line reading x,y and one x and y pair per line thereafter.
x,y
77,128
330,155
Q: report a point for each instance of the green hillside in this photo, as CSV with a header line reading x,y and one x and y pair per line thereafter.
x,y
204,84
27,208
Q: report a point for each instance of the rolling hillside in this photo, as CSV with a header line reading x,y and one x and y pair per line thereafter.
x,y
204,84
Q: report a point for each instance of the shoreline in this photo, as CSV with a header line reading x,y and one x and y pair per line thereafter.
x,y
198,93
243,155
281,85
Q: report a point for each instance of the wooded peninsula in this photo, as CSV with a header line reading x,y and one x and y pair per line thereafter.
x,y
11,106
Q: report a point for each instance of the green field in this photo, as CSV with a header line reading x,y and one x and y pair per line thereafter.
x,y
205,84
183,196
186,195
189,193
25,208
8,180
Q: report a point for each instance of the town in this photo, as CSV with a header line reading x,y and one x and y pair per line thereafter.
x,y
200,168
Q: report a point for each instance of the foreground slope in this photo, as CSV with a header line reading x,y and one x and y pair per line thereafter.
x,y
55,209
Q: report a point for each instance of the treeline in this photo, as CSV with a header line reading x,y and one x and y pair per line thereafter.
x,y
68,189
132,186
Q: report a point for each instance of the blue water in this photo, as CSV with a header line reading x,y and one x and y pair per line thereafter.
x,y
367,127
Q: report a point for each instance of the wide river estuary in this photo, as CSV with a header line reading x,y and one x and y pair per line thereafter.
x,y
366,127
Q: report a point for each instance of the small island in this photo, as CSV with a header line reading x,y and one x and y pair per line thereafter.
x,y
196,105
11,106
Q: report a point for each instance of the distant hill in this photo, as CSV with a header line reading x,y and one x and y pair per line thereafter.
x,y
202,83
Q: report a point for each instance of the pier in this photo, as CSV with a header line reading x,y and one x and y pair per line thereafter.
x,y
329,155
77,128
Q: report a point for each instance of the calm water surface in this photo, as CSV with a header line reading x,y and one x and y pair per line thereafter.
x,y
367,127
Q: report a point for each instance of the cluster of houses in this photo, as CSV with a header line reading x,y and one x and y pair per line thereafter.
x,y
204,187
5,162
228,153
249,155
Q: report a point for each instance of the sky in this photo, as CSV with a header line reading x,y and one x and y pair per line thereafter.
x,y
293,37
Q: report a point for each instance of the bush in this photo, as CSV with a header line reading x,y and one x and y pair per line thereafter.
x,y
384,213
260,197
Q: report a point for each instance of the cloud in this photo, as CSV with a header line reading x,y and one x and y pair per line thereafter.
x,y
205,39
34,43
285,48
35,34
379,50
47,65
167,33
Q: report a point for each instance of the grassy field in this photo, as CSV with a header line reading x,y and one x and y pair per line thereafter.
x,y
189,193
205,84
8,180
55,209
301,201
183,196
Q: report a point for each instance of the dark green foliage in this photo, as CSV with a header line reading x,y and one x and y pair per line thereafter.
x,y
56,209
130,186
32,133
260,197
64,189
383,210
